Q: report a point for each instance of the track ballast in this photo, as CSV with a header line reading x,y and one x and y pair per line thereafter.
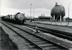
x,y
38,42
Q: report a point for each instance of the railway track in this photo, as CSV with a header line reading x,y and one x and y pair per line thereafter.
x,y
53,24
37,42
57,33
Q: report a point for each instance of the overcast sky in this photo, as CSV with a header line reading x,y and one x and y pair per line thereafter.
x,y
38,6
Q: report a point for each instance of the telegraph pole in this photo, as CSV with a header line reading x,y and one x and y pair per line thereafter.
x,y
30,10
68,11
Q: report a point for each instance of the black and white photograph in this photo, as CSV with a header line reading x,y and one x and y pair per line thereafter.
x,y
35,24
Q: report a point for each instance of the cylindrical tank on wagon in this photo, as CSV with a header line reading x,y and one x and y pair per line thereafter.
x,y
12,17
20,17
3,17
7,17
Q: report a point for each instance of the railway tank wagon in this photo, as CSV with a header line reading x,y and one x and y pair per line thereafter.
x,y
58,12
12,18
3,17
7,17
20,18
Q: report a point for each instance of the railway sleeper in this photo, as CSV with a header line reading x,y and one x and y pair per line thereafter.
x,y
58,33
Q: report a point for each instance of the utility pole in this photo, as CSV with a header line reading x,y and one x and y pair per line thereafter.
x,y
68,11
30,10
33,12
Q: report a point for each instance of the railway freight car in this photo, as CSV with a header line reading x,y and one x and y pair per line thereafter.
x,y
12,18
6,18
20,18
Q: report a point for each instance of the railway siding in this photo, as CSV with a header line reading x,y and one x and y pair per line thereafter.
x,y
49,38
53,27
52,39
21,43
54,47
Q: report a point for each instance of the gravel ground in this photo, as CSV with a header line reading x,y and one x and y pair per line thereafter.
x,y
20,42
5,42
